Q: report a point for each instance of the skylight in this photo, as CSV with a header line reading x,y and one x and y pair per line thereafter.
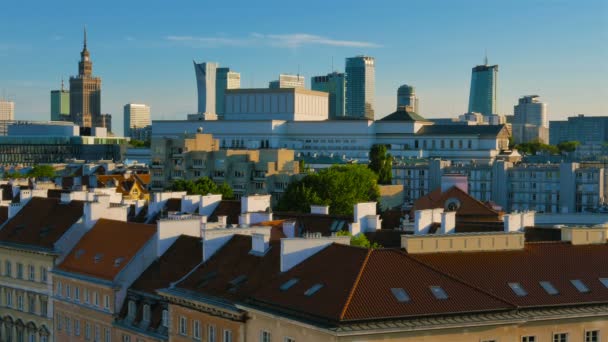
x,y
311,291
98,257
548,287
400,295
580,286
288,284
604,282
518,289
439,292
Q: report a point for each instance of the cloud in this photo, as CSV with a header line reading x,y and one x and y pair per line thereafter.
x,y
129,38
294,40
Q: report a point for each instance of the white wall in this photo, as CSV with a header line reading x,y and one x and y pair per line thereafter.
x,y
170,229
296,250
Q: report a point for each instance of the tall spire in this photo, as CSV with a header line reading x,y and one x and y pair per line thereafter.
x,y
485,58
85,37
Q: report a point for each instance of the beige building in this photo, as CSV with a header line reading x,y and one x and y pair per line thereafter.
x,y
247,171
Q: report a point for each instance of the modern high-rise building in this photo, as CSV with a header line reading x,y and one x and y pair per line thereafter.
x,y
335,85
287,81
85,93
136,121
225,79
484,83
60,104
530,120
406,96
206,83
7,110
360,84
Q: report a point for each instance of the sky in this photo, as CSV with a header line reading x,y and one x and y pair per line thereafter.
x,y
143,50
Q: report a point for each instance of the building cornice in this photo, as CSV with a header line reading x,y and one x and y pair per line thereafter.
x,y
207,304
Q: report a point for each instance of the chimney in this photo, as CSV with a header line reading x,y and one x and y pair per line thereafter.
x,y
289,228
260,243
203,221
527,219
365,218
245,219
512,222
448,222
319,209
423,219
222,220
296,250
208,204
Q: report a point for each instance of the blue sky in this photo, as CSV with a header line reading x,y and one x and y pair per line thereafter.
x,y
143,50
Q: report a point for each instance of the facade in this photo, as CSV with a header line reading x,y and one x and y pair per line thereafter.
x,y
484,89
335,85
530,120
547,188
590,131
85,93
225,79
360,87
60,104
137,121
206,85
7,110
287,81
406,96
247,171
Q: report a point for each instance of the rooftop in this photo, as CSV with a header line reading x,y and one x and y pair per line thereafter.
x,y
402,114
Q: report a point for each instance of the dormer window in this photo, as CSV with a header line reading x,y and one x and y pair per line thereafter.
x,y
131,309
165,321
146,315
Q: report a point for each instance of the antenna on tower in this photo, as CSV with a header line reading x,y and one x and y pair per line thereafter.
x,y
85,36
62,84
486,57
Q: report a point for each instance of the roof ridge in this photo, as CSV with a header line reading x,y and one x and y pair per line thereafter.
x,y
356,284
457,279
475,199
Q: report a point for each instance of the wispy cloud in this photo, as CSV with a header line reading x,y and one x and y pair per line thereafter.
x,y
294,40
129,38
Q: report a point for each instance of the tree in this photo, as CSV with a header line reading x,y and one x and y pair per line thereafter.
x,y
139,143
568,146
340,187
41,171
535,146
359,240
202,186
381,163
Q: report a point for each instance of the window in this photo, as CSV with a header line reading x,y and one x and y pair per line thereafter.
x,y
87,296
291,282
8,268
439,292
183,326
580,286
20,302
59,289
291,339
77,327
87,331
106,302
31,272
528,339
43,308
604,282
518,289
146,313
19,270
265,336
165,318
227,335
68,291
58,322
126,338
400,295
31,304
9,298
77,294
43,275
196,330
313,289
548,287
131,309
95,298
211,333
97,334
592,336
106,335
68,326
561,337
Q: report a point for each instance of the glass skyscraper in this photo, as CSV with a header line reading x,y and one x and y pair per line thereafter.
x,y
205,82
360,84
226,79
60,104
482,98
335,85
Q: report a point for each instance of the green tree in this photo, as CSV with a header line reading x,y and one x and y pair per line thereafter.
x,y
139,143
535,146
340,187
381,162
202,186
568,146
41,171
359,240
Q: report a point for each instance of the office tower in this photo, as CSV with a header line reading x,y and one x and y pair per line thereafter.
x,y
406,96
60,104
226,79
287,81
136,120
206,84
530,120
85,93
335,85
7,110
484,82
360,86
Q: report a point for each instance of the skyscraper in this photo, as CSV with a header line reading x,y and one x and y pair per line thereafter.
x,y
406,96
206,85
60,104
335,85
136,120
287,81
484,82
360,86
7,110
226,79
85,93
530,120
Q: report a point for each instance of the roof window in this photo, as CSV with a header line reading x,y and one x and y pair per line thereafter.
x,y
98,257
288,284
548,287
313,289
580,286
400,295
518,289
439,292
604,282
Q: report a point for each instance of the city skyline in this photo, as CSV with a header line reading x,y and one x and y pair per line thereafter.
x,y
150,63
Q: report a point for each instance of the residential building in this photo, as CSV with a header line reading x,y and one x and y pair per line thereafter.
x,y
7,115
406,96
484,89
360,87
85,93
247,171
590,131
530,120
60,104
137,122
132,186
287,81
225,79
335,85
206,85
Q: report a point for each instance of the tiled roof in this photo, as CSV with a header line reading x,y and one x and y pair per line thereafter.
x,y
7,192
98,252
3,215
177,261
469,206
315,223
41,222
480,130
229,208
276,229
403,115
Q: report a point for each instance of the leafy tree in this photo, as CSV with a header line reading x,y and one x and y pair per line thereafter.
x,y
202,186
535,146
139,143
359,240
381,163
568,146
41,171
340,187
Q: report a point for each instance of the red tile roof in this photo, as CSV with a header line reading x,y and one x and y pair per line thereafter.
x,y
3,215
41,222
469,206
110,240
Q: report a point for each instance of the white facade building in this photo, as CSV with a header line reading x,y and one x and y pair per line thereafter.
x,y
136,119
530,120
205,82
287,81
7,110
